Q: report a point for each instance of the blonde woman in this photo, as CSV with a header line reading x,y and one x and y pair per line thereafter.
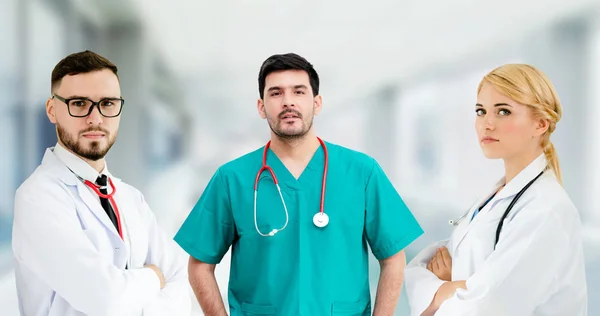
x,y
518,251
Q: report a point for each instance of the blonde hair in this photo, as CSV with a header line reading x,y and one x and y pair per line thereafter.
x,y
529,86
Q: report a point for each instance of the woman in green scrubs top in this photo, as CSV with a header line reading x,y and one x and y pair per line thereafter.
x,y
302,269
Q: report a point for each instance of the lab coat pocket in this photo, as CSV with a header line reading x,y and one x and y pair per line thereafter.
x,y
252,309
354,308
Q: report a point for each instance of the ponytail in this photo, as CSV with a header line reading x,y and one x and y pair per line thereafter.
x,y
529,86
552,158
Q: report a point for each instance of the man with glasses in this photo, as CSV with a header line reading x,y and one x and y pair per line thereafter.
x,y
84,241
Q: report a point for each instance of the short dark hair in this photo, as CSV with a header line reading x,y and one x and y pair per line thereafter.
x,y
82,62
289,61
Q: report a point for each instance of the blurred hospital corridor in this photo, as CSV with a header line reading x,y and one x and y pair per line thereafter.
x,y
398,79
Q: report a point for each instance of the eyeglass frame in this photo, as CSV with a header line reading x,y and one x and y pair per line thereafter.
x,y
94,104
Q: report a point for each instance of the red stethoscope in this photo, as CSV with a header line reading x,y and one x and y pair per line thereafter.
x,y
320,219
109,196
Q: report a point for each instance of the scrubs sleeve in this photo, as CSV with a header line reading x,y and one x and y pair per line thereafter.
x,y
390,226
209,230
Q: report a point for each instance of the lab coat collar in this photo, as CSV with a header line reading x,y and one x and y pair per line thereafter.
x,y
521,180
510,190
55,166
77,166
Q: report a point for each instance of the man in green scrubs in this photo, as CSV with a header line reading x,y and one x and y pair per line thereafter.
x,y
285,261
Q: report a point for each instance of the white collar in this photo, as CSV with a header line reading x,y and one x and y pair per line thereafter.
x,y
78,165
520,180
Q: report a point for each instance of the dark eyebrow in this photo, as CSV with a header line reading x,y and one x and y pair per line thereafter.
x,y
87,98
76,97
497,104
298,86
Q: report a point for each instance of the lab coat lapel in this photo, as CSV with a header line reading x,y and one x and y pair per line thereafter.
x,y
466,224
92,202
90,199
124,204
509,191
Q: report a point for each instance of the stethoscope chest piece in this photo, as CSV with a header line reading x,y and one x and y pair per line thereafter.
x,y
321,219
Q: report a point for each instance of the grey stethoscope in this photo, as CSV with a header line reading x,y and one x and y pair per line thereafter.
x,y
457,221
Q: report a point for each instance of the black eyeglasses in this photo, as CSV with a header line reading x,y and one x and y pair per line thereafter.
x,y
82,107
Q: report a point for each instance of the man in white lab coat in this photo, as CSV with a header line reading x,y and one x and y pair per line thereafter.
x,y
85,242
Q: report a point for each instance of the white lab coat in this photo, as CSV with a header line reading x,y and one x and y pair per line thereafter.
x,y
536,269
70,260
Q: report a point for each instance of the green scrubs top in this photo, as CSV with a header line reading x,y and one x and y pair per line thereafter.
x,y
304,269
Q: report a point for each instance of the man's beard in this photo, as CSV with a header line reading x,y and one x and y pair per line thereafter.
x,y
94,152
275,126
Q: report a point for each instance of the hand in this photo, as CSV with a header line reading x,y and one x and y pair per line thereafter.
x,y
446,291
159,273
441,264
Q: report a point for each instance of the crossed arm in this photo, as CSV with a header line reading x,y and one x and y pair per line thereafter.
x,y
441,265
165,256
